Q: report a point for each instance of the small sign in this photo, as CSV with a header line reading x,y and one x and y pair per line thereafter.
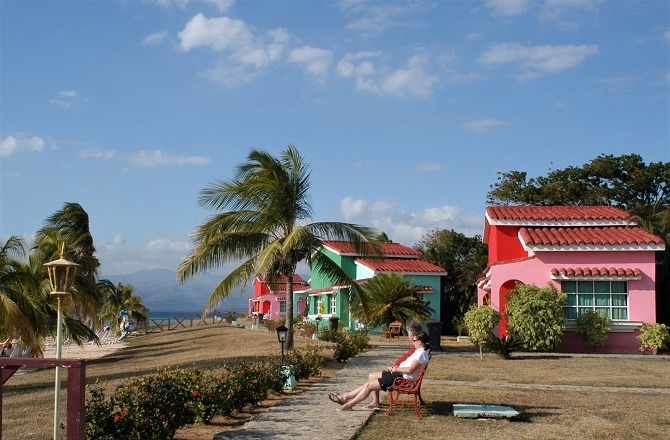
x,y
472,411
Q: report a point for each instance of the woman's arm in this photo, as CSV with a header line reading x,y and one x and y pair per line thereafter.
x,y
407,370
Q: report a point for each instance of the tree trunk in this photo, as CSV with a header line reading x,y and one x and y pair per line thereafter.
x,y
289,311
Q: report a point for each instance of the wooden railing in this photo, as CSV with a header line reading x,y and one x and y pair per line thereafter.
x,y
76,388
166,324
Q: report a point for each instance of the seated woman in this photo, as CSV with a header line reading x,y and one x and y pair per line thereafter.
x,y
409,369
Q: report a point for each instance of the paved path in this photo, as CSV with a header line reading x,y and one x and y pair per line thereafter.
x,y
309,414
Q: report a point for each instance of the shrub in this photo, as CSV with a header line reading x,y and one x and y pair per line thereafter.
x,y
535,315
347,344
480,322
594,327
307,363
504,346
271,324
654,336
307,330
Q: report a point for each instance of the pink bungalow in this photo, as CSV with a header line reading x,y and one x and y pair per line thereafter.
x,y
597,255
271,300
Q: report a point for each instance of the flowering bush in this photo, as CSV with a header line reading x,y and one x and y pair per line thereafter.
x,y
154,407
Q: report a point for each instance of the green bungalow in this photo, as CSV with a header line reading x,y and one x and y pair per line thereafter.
x,y
324,300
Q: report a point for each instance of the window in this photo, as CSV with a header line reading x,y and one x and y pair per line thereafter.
x,y
282,307
609,297
333,304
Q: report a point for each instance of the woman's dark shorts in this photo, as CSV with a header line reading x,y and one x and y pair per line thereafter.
x,y
387,379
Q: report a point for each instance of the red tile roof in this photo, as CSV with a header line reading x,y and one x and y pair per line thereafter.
x,y
603,236
388,249
400,265
297,279
554,213
578,272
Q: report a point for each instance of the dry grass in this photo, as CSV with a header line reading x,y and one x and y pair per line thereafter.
x,y
590,413
28,398
453,377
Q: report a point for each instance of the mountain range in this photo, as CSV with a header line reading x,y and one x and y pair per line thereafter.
x,y
160,291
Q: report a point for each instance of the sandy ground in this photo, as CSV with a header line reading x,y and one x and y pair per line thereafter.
x,y
86,351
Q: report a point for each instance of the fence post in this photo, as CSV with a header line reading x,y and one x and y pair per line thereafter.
x,y
76,401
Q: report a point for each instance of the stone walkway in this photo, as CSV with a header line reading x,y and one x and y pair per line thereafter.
x,y
309,414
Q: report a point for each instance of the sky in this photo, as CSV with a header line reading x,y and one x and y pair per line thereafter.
x,y
406,111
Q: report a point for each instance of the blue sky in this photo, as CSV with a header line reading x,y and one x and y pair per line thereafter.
x,y
404,110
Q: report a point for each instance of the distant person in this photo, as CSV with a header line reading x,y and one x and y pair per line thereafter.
x,y
408,368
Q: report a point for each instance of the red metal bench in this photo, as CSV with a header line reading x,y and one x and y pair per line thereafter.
x,y
408,387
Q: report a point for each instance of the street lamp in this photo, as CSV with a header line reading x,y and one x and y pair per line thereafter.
x,y
61,277
282,332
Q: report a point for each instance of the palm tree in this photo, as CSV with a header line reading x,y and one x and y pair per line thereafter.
x,y
391,299
264,228
70,226
19,313
120,297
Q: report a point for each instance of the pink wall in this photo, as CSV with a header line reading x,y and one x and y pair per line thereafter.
x,y
641,293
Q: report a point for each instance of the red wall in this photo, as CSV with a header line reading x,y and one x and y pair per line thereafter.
x,y
504,244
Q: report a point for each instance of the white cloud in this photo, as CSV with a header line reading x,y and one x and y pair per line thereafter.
x,y
156,37
11,145
536,61
508,7
359,65
413,81
429,167
96,153
410,227
568,14
219,34
158,158
67,98
315,61
119,257
244,53
483,125
351,208
373,18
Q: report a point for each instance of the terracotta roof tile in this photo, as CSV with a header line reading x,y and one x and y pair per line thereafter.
x,y
603,236
388,249
282,279
400,265
580,272
550,213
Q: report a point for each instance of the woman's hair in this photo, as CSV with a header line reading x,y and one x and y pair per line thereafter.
x,y
414,327
423,337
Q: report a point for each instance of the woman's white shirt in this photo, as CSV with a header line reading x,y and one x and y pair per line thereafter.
x,y
420,355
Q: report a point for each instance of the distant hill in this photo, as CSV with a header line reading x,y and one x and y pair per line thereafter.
x,y
161,293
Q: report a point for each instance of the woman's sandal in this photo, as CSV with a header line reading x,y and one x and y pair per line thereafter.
x,y
343,408
335,397
370,407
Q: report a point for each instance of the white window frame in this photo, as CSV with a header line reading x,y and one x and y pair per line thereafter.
x,y
333,304
610,308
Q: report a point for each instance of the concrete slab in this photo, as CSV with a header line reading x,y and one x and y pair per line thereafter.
x,y
472,411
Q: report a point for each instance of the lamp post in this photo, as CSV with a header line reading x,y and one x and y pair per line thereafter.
x,y
61,276
282,332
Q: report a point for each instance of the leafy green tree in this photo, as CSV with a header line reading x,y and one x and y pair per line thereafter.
x,y
594,327
264,224
464,259
391,298
535,315
480,322
625,181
